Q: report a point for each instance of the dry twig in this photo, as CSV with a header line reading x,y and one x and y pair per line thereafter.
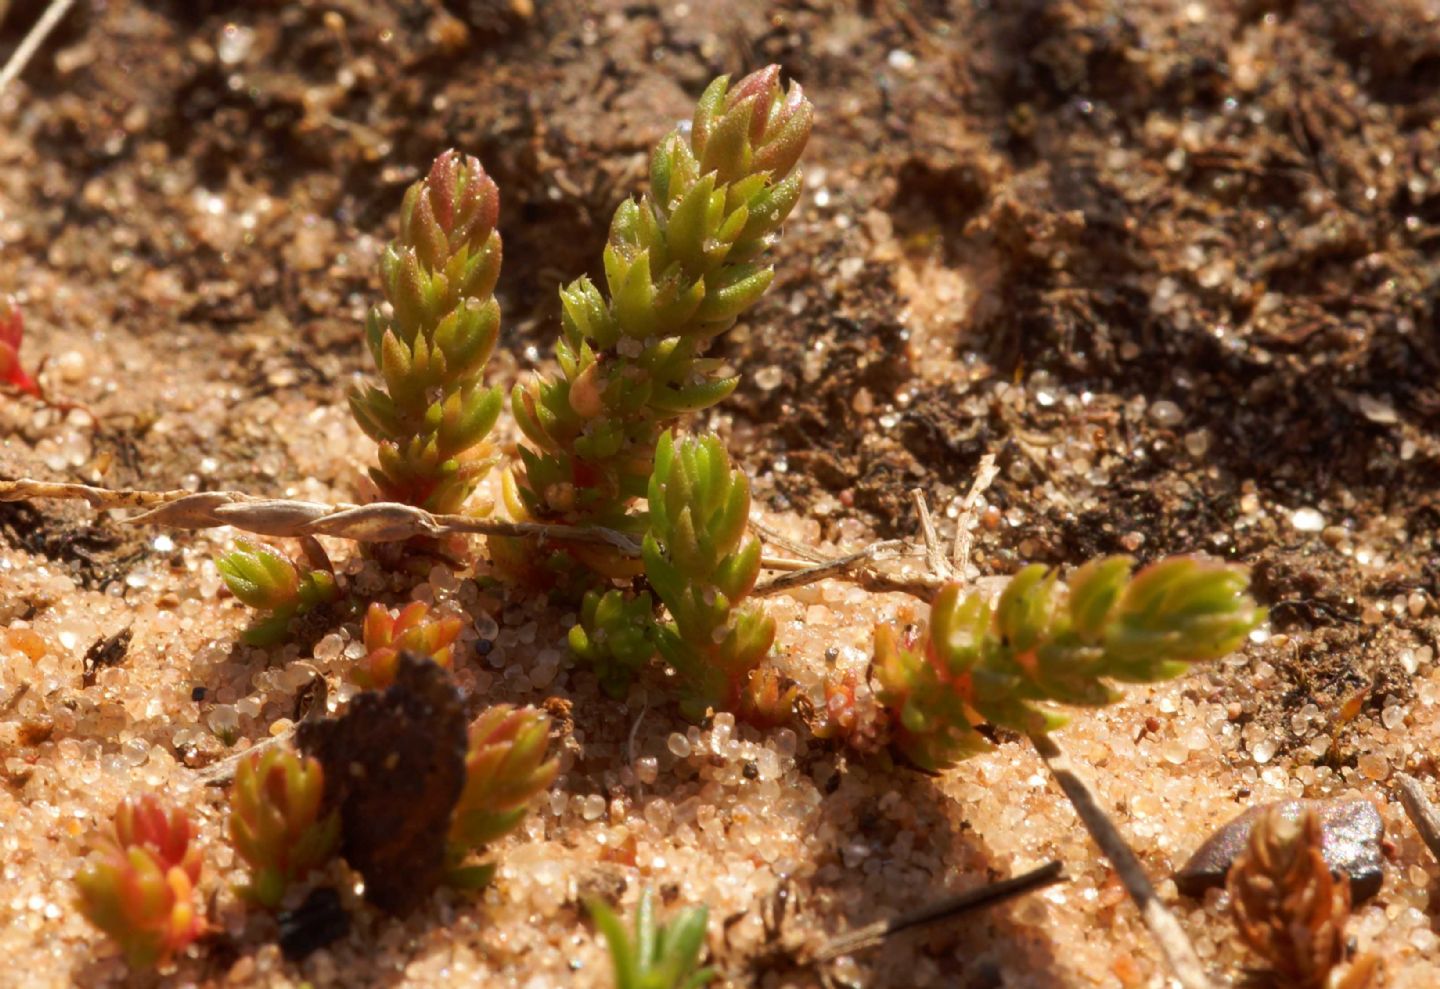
x,y
952,906
830,568
32,41
392,522
380,522
1166,930
1420,810
985,475
934,555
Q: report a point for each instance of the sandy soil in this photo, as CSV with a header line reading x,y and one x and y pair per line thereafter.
x,y
1173,263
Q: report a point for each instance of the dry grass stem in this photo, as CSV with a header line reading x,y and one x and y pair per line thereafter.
x,y
33,40
841,567
1174,944
952,906
934,555
774,537
1421,811
985,474
374,523
394,522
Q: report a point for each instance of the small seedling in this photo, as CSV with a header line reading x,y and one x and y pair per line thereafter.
x,y
432,339
266,581
682,263
1050,642
413,629
505,768
616,636
703,564
276,823
657,956
138,886
167,832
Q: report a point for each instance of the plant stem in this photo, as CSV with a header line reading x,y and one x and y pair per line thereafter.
x,y
33,40
1166,930
951,906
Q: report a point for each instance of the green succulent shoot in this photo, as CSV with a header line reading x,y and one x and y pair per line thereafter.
x,y
266,581
414,629
138,886
1046,641
702,564
682,263
616,636
431,412
276,823
505,768
656,956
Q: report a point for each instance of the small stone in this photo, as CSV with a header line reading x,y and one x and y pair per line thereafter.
x,y
769,378
235,44
1166,414
1351,831
1378,409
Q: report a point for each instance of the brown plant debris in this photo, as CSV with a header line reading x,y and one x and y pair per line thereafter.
x,y
1290,910
395,766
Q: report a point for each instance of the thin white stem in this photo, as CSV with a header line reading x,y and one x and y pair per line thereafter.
x,y
33,40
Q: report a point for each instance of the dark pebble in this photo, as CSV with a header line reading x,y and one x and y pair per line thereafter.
x,y
1352,830
319,921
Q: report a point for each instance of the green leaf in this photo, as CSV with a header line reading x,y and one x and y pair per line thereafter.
x,y
726,298
472,877
622,955
689,227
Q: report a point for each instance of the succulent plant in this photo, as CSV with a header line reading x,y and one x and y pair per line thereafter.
x,y
768,698
702,565
413,629
505,768
167,832
12,334
616,636
1290,910
681,264
276,823
266,581
656,956
431,414
138,886
976,663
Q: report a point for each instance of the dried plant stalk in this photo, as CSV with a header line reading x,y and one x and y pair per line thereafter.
x,y
375,523
1178,951
394,522
1290,910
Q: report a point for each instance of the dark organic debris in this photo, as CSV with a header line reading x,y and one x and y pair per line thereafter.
x,y
1351,831
317,922
106,651
96,551
395,766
